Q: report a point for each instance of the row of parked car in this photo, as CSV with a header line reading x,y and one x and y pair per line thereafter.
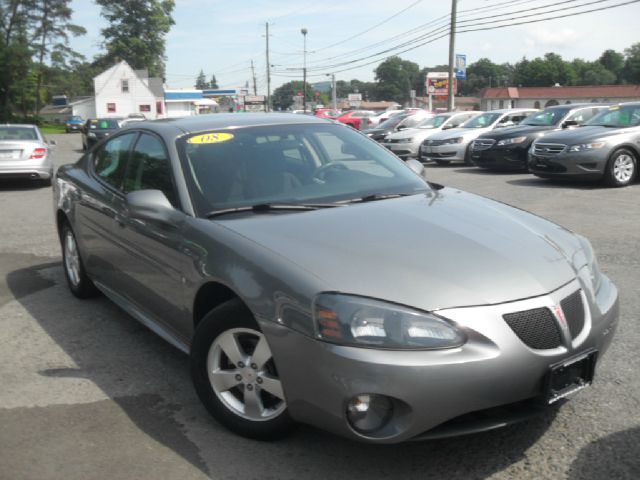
x,y
583,141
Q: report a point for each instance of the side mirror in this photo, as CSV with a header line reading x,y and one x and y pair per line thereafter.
x,y
151,205
569,123
416,166
400,127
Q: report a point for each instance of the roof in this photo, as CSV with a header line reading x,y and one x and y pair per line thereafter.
x,y
55,109
181,95
156,85
585,91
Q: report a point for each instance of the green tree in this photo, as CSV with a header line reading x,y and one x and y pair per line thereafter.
x,y
631,70
544,72
614,62
213,84
136,32
395,78
201,81
282,97
484,73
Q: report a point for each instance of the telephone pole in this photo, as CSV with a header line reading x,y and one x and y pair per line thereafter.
x,y
304,69
253,74
268,71
452,47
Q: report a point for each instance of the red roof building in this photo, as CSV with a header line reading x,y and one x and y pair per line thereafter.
x,y
541,97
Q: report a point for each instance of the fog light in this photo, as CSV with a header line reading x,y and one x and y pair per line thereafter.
x,y
368,413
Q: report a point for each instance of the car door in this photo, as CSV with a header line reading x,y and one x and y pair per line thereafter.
x,y
155,261
99,207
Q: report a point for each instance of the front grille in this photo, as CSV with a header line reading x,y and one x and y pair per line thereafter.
x,y
548,149
483,144
573,310
436,143
537,328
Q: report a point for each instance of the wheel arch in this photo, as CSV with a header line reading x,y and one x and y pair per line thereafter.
x,y
61,220
209,296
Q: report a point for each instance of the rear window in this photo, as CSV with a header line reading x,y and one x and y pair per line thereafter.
x,y
18,133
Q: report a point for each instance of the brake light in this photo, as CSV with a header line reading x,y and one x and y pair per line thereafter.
x,y
38,153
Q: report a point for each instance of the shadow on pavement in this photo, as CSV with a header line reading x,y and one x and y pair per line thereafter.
x,y
614,456
18,184
557,183
149,381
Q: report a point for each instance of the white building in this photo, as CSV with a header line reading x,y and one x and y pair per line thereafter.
x,y
122,91
183,103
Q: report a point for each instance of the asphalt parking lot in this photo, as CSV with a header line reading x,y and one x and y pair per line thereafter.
x,y
87,392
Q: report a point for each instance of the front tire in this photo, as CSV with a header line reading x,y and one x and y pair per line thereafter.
x,y
467,156
79,283
621,168
442,162
234,374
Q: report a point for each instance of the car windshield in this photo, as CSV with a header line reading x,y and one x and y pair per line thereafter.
x,y
18,133
75,118
103,124
617,116
433,122
546,118
414,120
291,165
481,121
392,122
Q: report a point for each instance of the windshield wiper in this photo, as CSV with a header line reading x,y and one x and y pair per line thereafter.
x,y
270,207
378,196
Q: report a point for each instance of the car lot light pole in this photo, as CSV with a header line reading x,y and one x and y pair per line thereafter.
x,y
334,99
304,69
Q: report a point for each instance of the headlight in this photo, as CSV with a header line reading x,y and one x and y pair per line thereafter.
x,y
512,141
405,140
591,261
454,140
91,135
586,146
363,322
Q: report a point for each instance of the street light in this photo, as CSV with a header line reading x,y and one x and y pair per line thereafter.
x,y
304,70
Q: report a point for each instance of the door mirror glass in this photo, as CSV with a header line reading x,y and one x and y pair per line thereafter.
x,y
151,205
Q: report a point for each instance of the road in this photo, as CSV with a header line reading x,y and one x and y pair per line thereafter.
x,y
87,392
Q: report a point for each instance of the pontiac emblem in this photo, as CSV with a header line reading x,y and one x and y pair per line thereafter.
x,y
557,310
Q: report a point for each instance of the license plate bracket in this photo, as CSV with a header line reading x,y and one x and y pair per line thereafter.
x,y
570,376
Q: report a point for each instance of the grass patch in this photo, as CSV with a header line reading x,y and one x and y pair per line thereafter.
x,y
48,129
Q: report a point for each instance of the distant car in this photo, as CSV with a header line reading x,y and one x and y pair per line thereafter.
x,y
353,117
508,149
73,124
273,249
327,113
607,148
406,142
24,153
385,128
378,119
95,129
455,144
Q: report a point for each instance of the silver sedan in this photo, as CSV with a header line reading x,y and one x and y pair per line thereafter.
x,y
24,153
272,248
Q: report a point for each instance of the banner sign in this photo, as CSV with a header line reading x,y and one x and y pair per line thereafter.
x,y
461,66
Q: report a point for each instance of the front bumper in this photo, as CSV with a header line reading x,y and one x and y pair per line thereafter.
x,y
451,152
494,368
404,150
589,164
507,158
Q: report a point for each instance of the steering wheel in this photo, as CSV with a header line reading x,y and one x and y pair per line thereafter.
x,y
320,172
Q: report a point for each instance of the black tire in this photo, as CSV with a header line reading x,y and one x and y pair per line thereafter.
x,y
80,284
45,182
442,162
621,168
467,156
231,316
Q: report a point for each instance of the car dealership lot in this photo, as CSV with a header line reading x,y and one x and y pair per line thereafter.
x,y
88,392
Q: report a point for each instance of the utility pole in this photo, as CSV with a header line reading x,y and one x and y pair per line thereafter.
x,y
253,74
268,71
334,93
304,70
452,47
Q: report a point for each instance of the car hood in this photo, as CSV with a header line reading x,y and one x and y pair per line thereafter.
x,y
517,131
413,133
584,134
377,131
467,133
431,251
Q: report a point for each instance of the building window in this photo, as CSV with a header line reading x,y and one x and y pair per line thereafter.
x,y
145,108
111,108
125,86
536,104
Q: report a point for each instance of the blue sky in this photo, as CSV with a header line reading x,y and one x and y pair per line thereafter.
x,y
222,37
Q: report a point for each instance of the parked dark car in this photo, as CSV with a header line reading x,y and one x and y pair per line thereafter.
x,y
266,247
73,124
507,149
385,128
606,148
95,129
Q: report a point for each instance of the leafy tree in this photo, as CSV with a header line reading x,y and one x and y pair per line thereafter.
x,y
201,81
213,84
396,77
282,97
592,73
632,64
484,73
544,72
136,32
614,62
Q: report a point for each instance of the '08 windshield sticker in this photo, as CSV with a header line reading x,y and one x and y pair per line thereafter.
x,y
211,138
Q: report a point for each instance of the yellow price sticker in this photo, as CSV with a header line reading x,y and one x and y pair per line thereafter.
x,y
614,108
211,138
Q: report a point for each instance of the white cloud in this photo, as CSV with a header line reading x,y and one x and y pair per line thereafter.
x,y
556,38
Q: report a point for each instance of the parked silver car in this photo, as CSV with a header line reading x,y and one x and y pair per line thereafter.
x,y
607,148
273,249
24,153
455,144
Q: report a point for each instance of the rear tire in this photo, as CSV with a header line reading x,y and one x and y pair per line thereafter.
x,y
79,283
621,169
234,374
442,162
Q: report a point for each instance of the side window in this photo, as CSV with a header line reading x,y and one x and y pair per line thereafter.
x,y
149,168
582,116
110,162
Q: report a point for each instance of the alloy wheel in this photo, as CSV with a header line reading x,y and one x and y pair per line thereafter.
x,y
71,258
623,168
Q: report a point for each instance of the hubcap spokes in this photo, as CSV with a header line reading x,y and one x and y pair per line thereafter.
x,y
623,168
72,259
242,375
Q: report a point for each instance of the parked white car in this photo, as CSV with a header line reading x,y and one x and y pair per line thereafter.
x,y
455,144
24,153
406,142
